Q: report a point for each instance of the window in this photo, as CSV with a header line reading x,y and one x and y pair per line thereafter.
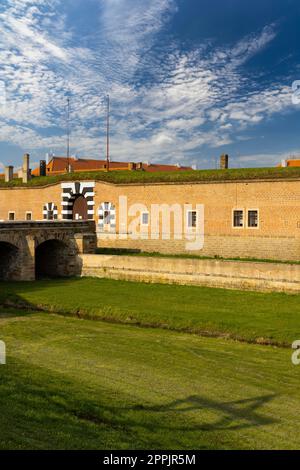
x,y
107,217
28,215
253,218
238,218
11,216
50,211
192,219
145,218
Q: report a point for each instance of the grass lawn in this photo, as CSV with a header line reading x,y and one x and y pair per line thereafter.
x,y
155,254
81,384
137,177
249,316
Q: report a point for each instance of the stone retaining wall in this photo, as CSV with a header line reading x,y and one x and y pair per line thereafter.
x,y
211,273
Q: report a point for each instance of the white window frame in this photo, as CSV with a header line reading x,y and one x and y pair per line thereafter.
x,y
258,219
28,213
232,218
11,212
191,227
142,215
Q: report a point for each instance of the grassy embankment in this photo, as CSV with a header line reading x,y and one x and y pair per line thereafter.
x,y
155,254
247,316
80,384
127,177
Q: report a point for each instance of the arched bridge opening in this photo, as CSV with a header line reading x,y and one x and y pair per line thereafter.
x,y
34,249
9,266
55,258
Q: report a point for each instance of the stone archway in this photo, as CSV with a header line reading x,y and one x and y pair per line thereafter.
x,y
55,258
9,262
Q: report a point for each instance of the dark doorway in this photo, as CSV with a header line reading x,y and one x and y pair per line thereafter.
x,y
80,208
8,261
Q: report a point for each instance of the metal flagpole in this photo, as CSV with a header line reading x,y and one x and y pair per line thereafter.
x,y
107,134
68,136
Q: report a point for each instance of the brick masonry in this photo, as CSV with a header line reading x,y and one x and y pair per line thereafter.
x,y
278,203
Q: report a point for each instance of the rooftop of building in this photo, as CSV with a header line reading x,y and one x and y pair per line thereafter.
x,y
143,177
59,165
290,162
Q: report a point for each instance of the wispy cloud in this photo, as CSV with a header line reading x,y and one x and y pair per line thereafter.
x,y
166,103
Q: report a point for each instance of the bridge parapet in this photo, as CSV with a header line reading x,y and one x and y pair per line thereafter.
x,y
50,247
76,226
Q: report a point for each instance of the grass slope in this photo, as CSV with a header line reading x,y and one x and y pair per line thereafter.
x,y
156,254
248,316
128,177
79,384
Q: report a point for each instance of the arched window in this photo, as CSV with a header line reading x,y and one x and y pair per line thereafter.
x,y
50,211
107,217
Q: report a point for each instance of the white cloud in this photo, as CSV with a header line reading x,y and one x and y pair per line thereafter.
x,y
186,99
265,159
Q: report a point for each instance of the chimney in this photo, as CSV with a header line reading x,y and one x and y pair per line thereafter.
x,y
284,163
224,162
9,173
43,168
26,172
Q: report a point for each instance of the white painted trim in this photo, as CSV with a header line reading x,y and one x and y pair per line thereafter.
x,y
86,184
68,185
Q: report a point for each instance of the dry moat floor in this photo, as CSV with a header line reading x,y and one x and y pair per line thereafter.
x,y
75,380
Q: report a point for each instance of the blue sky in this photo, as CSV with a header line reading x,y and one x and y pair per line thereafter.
x,y
188,79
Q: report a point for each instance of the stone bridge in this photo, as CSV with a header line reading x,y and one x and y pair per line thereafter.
x,y
32,250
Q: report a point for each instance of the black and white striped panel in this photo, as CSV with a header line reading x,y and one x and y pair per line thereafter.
x,y
69,193
50,211
107,217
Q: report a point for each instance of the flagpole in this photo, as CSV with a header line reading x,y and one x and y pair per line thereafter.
x,y
107,134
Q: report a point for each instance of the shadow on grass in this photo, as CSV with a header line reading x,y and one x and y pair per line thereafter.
x,y
11,293
245,411
41,408
9,312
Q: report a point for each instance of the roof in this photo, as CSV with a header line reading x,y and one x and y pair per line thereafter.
x,y
291,162
59,165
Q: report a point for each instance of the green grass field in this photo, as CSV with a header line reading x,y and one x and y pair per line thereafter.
x,y
71,382
80,384
249,316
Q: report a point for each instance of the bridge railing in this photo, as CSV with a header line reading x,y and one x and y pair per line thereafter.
x,y
81,225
